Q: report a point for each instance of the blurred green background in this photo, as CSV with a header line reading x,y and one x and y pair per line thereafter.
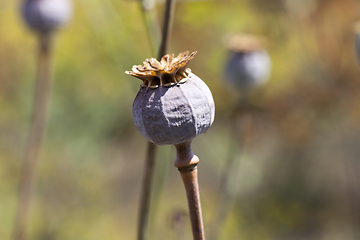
x,y
298,154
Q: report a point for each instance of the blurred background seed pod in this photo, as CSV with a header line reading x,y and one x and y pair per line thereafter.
x,y
248,65
46,15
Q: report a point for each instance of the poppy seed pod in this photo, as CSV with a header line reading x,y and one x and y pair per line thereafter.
x,y
46,15
173,105
249,64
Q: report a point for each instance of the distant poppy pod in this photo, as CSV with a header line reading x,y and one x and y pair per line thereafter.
x,y
248,65
45,16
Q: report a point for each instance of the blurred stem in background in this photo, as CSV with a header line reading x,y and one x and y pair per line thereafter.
x,y
37,131
167,25
146,190
151,22
162,168
247,68
151,147
108,40
229,179
223,204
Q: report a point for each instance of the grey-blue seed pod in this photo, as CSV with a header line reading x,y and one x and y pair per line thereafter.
x,y
248,65
173,105
45,16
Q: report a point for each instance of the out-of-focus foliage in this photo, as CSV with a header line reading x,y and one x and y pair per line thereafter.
x,y
298,150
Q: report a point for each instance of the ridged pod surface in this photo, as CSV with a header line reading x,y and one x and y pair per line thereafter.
x,y
46,15
248,64
176,107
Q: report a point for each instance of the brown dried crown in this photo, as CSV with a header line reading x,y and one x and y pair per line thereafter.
x,y
169,71
244,42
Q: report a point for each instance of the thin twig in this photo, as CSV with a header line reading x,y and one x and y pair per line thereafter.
x,y
230,167
167,26
152,24
38,126
226,192
150,160
106,11
146,190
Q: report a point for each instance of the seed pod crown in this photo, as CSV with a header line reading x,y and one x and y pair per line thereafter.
x,y
168,71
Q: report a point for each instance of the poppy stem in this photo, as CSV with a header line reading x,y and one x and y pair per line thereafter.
x,y
146,187
167,26
187,162
37,132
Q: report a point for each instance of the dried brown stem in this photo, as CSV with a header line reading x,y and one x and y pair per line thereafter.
x,y
38,125
146,193
187,162
167,25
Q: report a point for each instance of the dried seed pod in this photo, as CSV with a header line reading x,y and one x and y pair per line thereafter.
x,y
173,105
249,64
44,16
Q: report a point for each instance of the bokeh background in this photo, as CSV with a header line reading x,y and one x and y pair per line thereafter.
x,y
297,150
